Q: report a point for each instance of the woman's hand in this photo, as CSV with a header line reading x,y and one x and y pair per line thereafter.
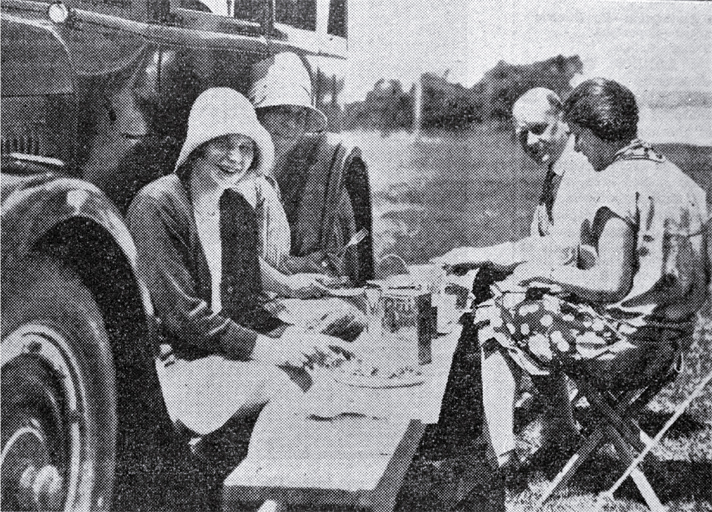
x,y
532,272
317,348
536,275
303,286
274,351
462,256
503,256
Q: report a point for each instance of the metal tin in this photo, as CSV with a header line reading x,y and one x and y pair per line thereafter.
x,y
407,321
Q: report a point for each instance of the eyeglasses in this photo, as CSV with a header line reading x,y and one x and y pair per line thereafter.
x,y
536,129
285,120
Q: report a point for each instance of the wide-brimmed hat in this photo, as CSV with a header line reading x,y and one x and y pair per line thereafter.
x,y
283,80
223,111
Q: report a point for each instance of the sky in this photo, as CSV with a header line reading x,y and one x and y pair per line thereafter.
x,y
650,46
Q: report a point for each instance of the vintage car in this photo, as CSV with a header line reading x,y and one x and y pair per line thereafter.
x,y
95,99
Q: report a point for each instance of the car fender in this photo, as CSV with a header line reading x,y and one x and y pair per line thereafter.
x,y
33,205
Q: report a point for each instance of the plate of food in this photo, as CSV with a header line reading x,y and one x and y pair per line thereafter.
x,y
357,373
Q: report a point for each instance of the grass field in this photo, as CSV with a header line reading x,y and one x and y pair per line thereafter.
x,y
442,191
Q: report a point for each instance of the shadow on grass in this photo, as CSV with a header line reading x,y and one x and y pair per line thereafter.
x,y
431,487
686,425
652,422
671,480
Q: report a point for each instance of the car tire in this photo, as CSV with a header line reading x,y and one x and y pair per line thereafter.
x,y
58,391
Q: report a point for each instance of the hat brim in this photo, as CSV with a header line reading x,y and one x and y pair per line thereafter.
x,y
255,131
316,120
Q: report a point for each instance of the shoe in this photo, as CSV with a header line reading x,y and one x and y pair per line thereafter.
x,y
552,456
491,498
514,474
527,408
466,477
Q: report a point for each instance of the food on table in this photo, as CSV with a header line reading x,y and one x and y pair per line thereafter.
x,y
357,372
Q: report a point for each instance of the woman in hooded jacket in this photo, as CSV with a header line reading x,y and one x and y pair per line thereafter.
x,y
223,355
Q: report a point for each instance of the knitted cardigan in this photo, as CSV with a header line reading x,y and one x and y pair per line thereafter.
x,y
172,263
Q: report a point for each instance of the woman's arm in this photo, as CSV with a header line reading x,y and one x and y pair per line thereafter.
x,y
163,261
503,256
609,279
299,286
272,279
279,352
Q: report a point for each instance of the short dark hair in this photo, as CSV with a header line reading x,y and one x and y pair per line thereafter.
x,y
605,107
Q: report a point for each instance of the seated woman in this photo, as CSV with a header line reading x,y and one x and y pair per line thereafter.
x,y
619,317
287,292
323,181
197,242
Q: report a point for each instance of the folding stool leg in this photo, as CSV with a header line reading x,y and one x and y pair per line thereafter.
x,y
641,481
614,416
618,417
645,439
628,406
639,403
596,438
568,471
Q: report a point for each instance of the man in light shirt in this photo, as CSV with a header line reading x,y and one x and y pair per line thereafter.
x,y
554,236
544,137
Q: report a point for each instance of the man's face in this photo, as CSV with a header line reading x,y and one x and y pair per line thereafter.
x,y
286,124
541,132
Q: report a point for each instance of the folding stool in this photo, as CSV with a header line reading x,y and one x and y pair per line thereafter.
x,y
616,423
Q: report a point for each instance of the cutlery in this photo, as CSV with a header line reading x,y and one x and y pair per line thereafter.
x,y
354,240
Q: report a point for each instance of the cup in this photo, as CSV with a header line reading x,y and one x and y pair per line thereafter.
x,y
436,279
447,311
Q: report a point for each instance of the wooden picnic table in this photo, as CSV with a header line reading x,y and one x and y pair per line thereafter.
x,y
340,445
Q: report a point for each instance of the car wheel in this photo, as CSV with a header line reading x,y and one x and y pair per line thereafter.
x,y
58,392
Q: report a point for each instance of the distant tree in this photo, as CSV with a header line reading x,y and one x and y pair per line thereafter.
x,y
447,105
387,107
453,107
504,83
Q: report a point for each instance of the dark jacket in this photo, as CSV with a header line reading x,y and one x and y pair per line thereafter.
x,y
326,197
172,262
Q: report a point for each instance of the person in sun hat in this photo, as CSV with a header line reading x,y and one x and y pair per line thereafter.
x,y
223,355
323,183
281,92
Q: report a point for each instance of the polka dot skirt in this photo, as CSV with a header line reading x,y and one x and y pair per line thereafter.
x,y
553,331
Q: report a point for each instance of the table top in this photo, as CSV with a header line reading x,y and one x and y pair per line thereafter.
x,y
340,444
